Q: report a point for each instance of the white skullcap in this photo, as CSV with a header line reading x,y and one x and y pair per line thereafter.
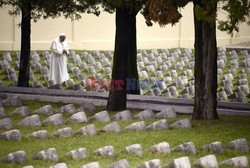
x,y
62,34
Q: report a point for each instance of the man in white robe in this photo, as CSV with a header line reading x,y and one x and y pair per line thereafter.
x,y
58,65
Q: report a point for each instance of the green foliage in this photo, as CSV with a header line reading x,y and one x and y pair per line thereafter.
x,y
206,11
134,5
238,12
56,8
166,12
181,3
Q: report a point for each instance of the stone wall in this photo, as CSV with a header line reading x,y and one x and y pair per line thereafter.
x,y
93,32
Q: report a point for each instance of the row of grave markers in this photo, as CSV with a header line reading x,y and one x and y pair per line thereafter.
x,y
169,85
210,161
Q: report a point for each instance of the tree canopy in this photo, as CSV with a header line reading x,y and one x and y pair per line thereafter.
x,y
166,12
163,11
238,11
46,8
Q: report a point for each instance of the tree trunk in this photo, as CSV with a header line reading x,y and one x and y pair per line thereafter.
x,y
23,78
132,75
124,63
205,102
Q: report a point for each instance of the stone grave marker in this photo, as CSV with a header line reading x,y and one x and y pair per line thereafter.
x,y
17,157
187,148
155,163
47,155
134,149
7,56
108,151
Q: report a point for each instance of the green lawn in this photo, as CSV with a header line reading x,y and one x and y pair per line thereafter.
x,y
226,129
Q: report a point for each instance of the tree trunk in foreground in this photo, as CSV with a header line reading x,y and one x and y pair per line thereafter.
x,y
124,63
132,75
23,78
205,102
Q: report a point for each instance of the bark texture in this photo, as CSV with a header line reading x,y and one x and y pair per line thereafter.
x,y
23,78
125,57
205,102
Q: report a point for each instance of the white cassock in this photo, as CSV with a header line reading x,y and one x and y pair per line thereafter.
x,y
58,65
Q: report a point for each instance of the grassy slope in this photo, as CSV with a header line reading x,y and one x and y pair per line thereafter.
x,y
6,82
203,132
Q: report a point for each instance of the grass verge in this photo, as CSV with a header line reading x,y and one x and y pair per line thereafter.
x,y
225,130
